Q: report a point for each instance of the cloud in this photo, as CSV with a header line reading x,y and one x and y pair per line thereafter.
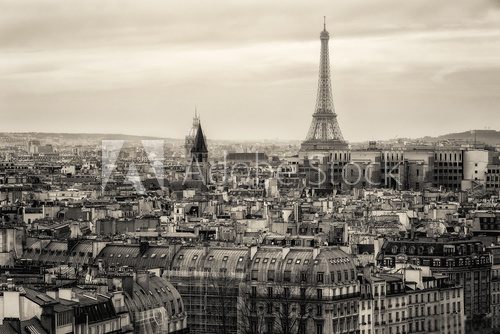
x,y
246,61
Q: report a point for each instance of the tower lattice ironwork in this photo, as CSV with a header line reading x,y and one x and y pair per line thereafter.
x,y
324,133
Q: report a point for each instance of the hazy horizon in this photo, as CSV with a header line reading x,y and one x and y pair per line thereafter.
x,y
412,69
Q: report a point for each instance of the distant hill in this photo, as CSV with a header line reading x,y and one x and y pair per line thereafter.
x,y
83,136
490,137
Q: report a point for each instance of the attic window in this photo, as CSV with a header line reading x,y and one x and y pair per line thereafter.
x,y
306,261
181,257
265,260
289,261
273,260
298,261
111,255
316,261
257,260
163,256
210,258
153,255
127,255
195,257
240,259
119,255
224,258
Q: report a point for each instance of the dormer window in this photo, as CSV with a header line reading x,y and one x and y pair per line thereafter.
x,y
394,249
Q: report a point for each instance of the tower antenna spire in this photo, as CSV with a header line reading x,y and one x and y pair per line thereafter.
x,y
324,22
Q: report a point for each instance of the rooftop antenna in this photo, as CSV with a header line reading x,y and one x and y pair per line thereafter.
x,y
195,111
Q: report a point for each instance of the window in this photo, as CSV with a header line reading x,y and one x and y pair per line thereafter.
x,y
320,277
287,276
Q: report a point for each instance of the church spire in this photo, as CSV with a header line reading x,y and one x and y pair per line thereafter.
x,y
199,145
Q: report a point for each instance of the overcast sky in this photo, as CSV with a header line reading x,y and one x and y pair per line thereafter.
x,y
399,68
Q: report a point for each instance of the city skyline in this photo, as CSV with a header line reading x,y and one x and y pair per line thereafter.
x,y
141,69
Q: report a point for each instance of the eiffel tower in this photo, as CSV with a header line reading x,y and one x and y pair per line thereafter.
x,y
324,134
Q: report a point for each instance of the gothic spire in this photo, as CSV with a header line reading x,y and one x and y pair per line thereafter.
x,y
199,145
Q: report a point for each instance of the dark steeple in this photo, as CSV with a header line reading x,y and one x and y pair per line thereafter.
x,y
199,145
199,151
